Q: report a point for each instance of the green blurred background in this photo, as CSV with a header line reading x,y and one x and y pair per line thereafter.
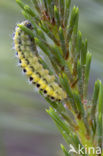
x,y
25,128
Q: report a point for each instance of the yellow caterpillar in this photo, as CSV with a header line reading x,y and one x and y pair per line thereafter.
x,y
25,47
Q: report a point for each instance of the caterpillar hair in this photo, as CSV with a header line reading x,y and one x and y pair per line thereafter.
x,y
29,61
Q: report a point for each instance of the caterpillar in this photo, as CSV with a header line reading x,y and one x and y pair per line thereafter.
x,y
31,66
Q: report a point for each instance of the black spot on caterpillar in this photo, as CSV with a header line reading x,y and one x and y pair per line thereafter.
x,y
40,77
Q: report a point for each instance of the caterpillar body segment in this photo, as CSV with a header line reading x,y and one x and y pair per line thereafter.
x,y
29,61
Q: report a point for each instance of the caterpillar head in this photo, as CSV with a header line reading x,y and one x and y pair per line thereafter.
x,y
27,24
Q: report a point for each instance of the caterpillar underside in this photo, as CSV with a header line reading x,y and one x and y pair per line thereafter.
x,y
37,75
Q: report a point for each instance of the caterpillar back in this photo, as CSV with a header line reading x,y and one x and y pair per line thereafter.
x,y
29,61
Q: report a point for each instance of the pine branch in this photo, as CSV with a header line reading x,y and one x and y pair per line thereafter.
x,y
52,29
